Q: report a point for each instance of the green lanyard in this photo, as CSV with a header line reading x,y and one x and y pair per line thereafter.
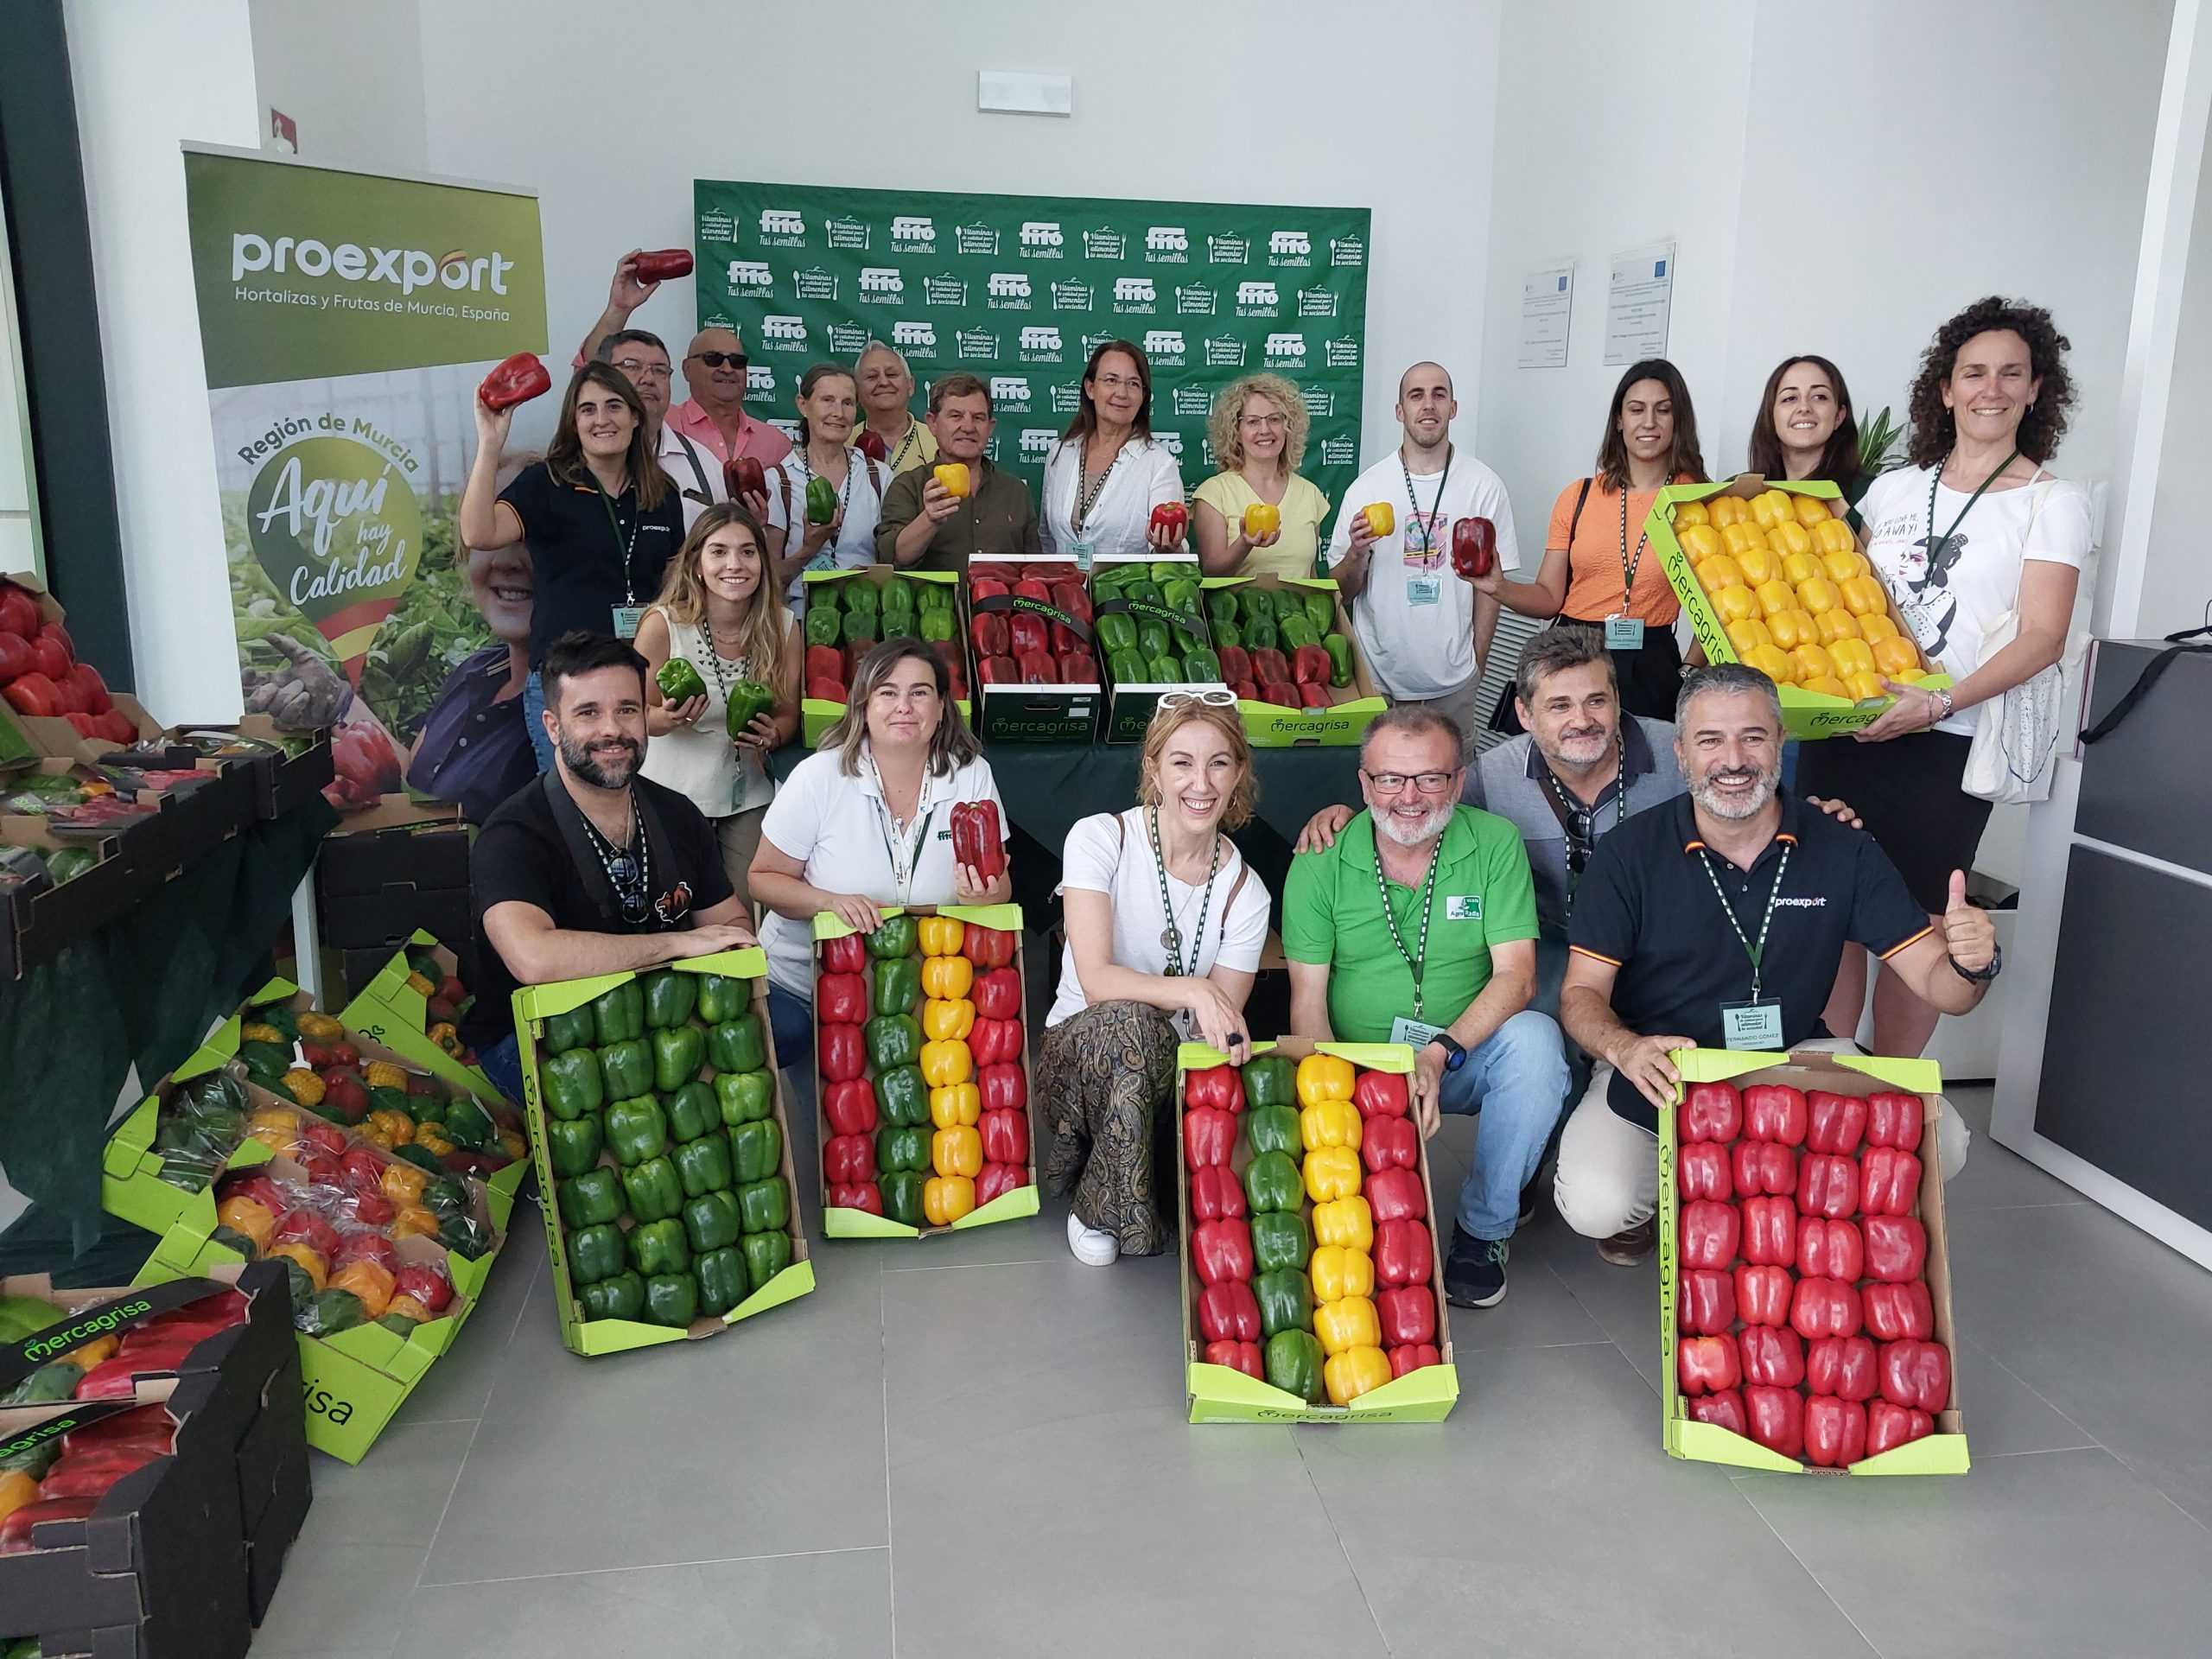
x,y
630,551
1416,964
1941,557
1773,896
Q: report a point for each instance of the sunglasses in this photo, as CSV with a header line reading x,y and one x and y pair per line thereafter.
x,y
1213,699
718,360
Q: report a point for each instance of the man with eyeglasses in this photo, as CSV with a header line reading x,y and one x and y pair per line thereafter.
x,y
1419,925
591,868
924,526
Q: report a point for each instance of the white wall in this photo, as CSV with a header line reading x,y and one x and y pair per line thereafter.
x,y
350,73
2177,575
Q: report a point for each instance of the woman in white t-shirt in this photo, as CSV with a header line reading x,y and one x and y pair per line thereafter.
x,y
1107,472
1974,529
868,822
1164,924
828,402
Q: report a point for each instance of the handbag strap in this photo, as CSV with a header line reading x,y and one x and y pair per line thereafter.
x,y
2153,672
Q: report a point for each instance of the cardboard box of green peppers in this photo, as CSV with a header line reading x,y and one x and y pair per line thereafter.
x,y
663,1152
848,612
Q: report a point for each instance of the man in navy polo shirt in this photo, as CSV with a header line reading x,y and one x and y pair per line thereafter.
x,y
1717,921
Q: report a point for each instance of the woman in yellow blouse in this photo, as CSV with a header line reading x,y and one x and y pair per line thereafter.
x,y
1258,428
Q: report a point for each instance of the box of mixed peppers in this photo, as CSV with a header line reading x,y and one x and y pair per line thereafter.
x,y
848,613
1311,1293
1287,652
922,1066
1804,1275
663,1150
413,1005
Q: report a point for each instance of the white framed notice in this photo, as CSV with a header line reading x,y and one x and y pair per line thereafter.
x,y
1637,300
1547,310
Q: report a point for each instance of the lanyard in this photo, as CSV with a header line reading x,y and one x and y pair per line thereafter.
x,y
1171,936
903,863
1437,507
1629,566
1086,499
898,455
1941,556
1415,963
1773,896
629,549
1580,844
631,877
844,498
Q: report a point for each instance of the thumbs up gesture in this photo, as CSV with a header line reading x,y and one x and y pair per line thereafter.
x,y
1968,933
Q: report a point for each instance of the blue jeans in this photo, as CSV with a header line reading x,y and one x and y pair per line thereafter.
x,y
1517,1081
791,1023
502,1064
533,720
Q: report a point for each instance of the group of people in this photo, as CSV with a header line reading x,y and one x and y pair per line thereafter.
x,y
1626,875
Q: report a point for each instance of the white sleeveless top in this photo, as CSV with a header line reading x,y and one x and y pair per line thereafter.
x,y
700,762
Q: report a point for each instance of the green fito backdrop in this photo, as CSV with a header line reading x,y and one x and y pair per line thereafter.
x,y
1018,289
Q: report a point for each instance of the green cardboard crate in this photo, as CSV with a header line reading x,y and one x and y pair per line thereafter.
x,y
130,1170
392,1011
817,714
1944,1452
840,1221
1342,724
1221,1394
534,1005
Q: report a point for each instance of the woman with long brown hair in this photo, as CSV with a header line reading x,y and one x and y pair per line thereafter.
x,y
1107,472
1806,429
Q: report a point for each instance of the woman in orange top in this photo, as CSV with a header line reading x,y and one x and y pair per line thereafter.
x,y
1598,570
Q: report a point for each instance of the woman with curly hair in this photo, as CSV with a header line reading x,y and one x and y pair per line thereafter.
x,y
1258,428
1165,924
1973,529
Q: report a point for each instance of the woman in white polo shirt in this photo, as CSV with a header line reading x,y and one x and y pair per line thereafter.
x,y
869,822
1107,472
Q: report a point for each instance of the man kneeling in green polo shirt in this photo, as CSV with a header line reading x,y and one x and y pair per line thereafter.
x,y
1418,926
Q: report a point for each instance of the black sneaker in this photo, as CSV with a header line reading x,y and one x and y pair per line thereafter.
x,y
1631,1246
1474,1274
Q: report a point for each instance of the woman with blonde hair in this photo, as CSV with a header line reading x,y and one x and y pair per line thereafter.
x,y
1258,428
719,611
1165,927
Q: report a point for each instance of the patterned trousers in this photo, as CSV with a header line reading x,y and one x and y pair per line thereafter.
x,y
1105,1074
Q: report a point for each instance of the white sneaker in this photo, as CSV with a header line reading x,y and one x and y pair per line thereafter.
x,y
1092,1248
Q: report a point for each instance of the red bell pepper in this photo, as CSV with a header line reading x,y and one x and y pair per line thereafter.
x,y
362,1245
1005,1135
1705,1302
826,663
1897,1248
1076,665
18,612
1036,668
1270,664
1824,1307
1380,1094
1070,597
1309,666
1411,1357
1892,1181
1761,1167
54,634
1401,1253
850,1107
1834,1122
1408,1314
1836,1431
89,1474
1390,1143
1842,1366
1208,1135
1894,1119
1237,1355
1777,1419
15,1530
988,631
1030,587
841,1054
1172,516
1774,1111
849,1158
426,1284
1710,1233
1772,1358
847,955
977,843
988,587
1894,1312
870,443
995,1042
1830,1250
1002,1087
1395,1195
1770,1231
516,380
148,1426
116,1379
36,695
866,1195
1216,1192
823,689
1245,689
93,688
997,994
997,1179
1474,548
1701,1170
1712,1111
841,1000
1706,1364
1024,630
1888,1427
1725,1409
1762,1294
14,656
743,475
1915,1374
84,725
1828,1186
662,264
1236,664
1218,1086
303,1226
1222,1249
987,947
1228,1311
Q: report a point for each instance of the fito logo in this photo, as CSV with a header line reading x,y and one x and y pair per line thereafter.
x,y
920,335
1257,294
782,221
783,327
1167,238
1134,289
1290,241
1163,342
882,282
1040,233
1042,338
1007,285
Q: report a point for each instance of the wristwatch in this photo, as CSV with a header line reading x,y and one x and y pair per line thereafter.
x,y
1455,1056
1943,696
1983,976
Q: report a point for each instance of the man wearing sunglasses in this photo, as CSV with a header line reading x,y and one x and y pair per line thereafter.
x,y
1418,926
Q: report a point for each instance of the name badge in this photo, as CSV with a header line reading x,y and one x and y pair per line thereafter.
x,y
1085,552
626,620
1462,908
1623,633
1751,1025
1424,590
1415,1033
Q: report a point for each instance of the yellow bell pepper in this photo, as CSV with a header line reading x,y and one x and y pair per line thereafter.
x,y
257,1032
248,1219
512,1144
956,1104
446,1037
1382,518
1689,512
946,978
1261,518
321,1028
304,1086
93,1353
17,1490
371,1282
432,1137
1349,1322
946,1199
957,1151
383,1074
403,1183
951,477
410,1307
1338,1272
946,1061
420,985
413,1218
1725,510
1354,1372
306,1257
1332,1173
1323,1076
940,936
1347,1222
1772,507
1834,535
277,1127
387,1128
1329,1123
948,1022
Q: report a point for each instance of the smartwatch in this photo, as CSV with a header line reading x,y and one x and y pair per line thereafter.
x,y
1982,976
1454,1055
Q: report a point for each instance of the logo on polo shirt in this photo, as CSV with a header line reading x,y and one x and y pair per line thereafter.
x,y
1817,902
910,233
1290,248
782,227
750,279
1258,300
1040,343
1462,908
1163,347
1286,351
882,284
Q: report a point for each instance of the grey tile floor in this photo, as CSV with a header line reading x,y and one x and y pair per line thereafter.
x,y
975,1447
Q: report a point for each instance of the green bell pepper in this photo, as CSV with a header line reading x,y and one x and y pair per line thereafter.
x,y
824,621
1279,1242
1272,1182
1168,570
574,1147
745,1096
1253,603
1187,639
860,595
722,998
622,1297
1202,666
385,1098
758,1150
566,1031
704,1166
736,1044
1226,634
891,1040
672,1299
1296,631
765,1206
1339,650
936,627
330,1312
710,1222
265,1063
1270,1080
1116,631
679,681
594,1253
468,1124
636,1130
897,936
1143,591
902,1146
720,1276
1153,637
653,1189
1320,609
1271,1128
678,1052
821,500
618,1016
1294,1365
895,987
670,998
897,599
692,1112
592,1198
626,1068
767,1255
934,596
901,1189
748,700
1127,667
1221,604
902,1097
421,1157
1285,1301
1260,635
659,1247
466,1235
1182,595
1166,669
570,1085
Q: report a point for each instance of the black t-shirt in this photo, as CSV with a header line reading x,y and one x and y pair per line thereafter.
x,y
578,556
520,855
1646,904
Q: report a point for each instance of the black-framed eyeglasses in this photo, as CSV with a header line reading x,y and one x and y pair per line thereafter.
x,y
718,360
1394,783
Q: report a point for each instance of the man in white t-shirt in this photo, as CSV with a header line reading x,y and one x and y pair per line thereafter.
x,y
1423,630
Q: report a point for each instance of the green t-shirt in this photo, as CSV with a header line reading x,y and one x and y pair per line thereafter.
x,y
1483,897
